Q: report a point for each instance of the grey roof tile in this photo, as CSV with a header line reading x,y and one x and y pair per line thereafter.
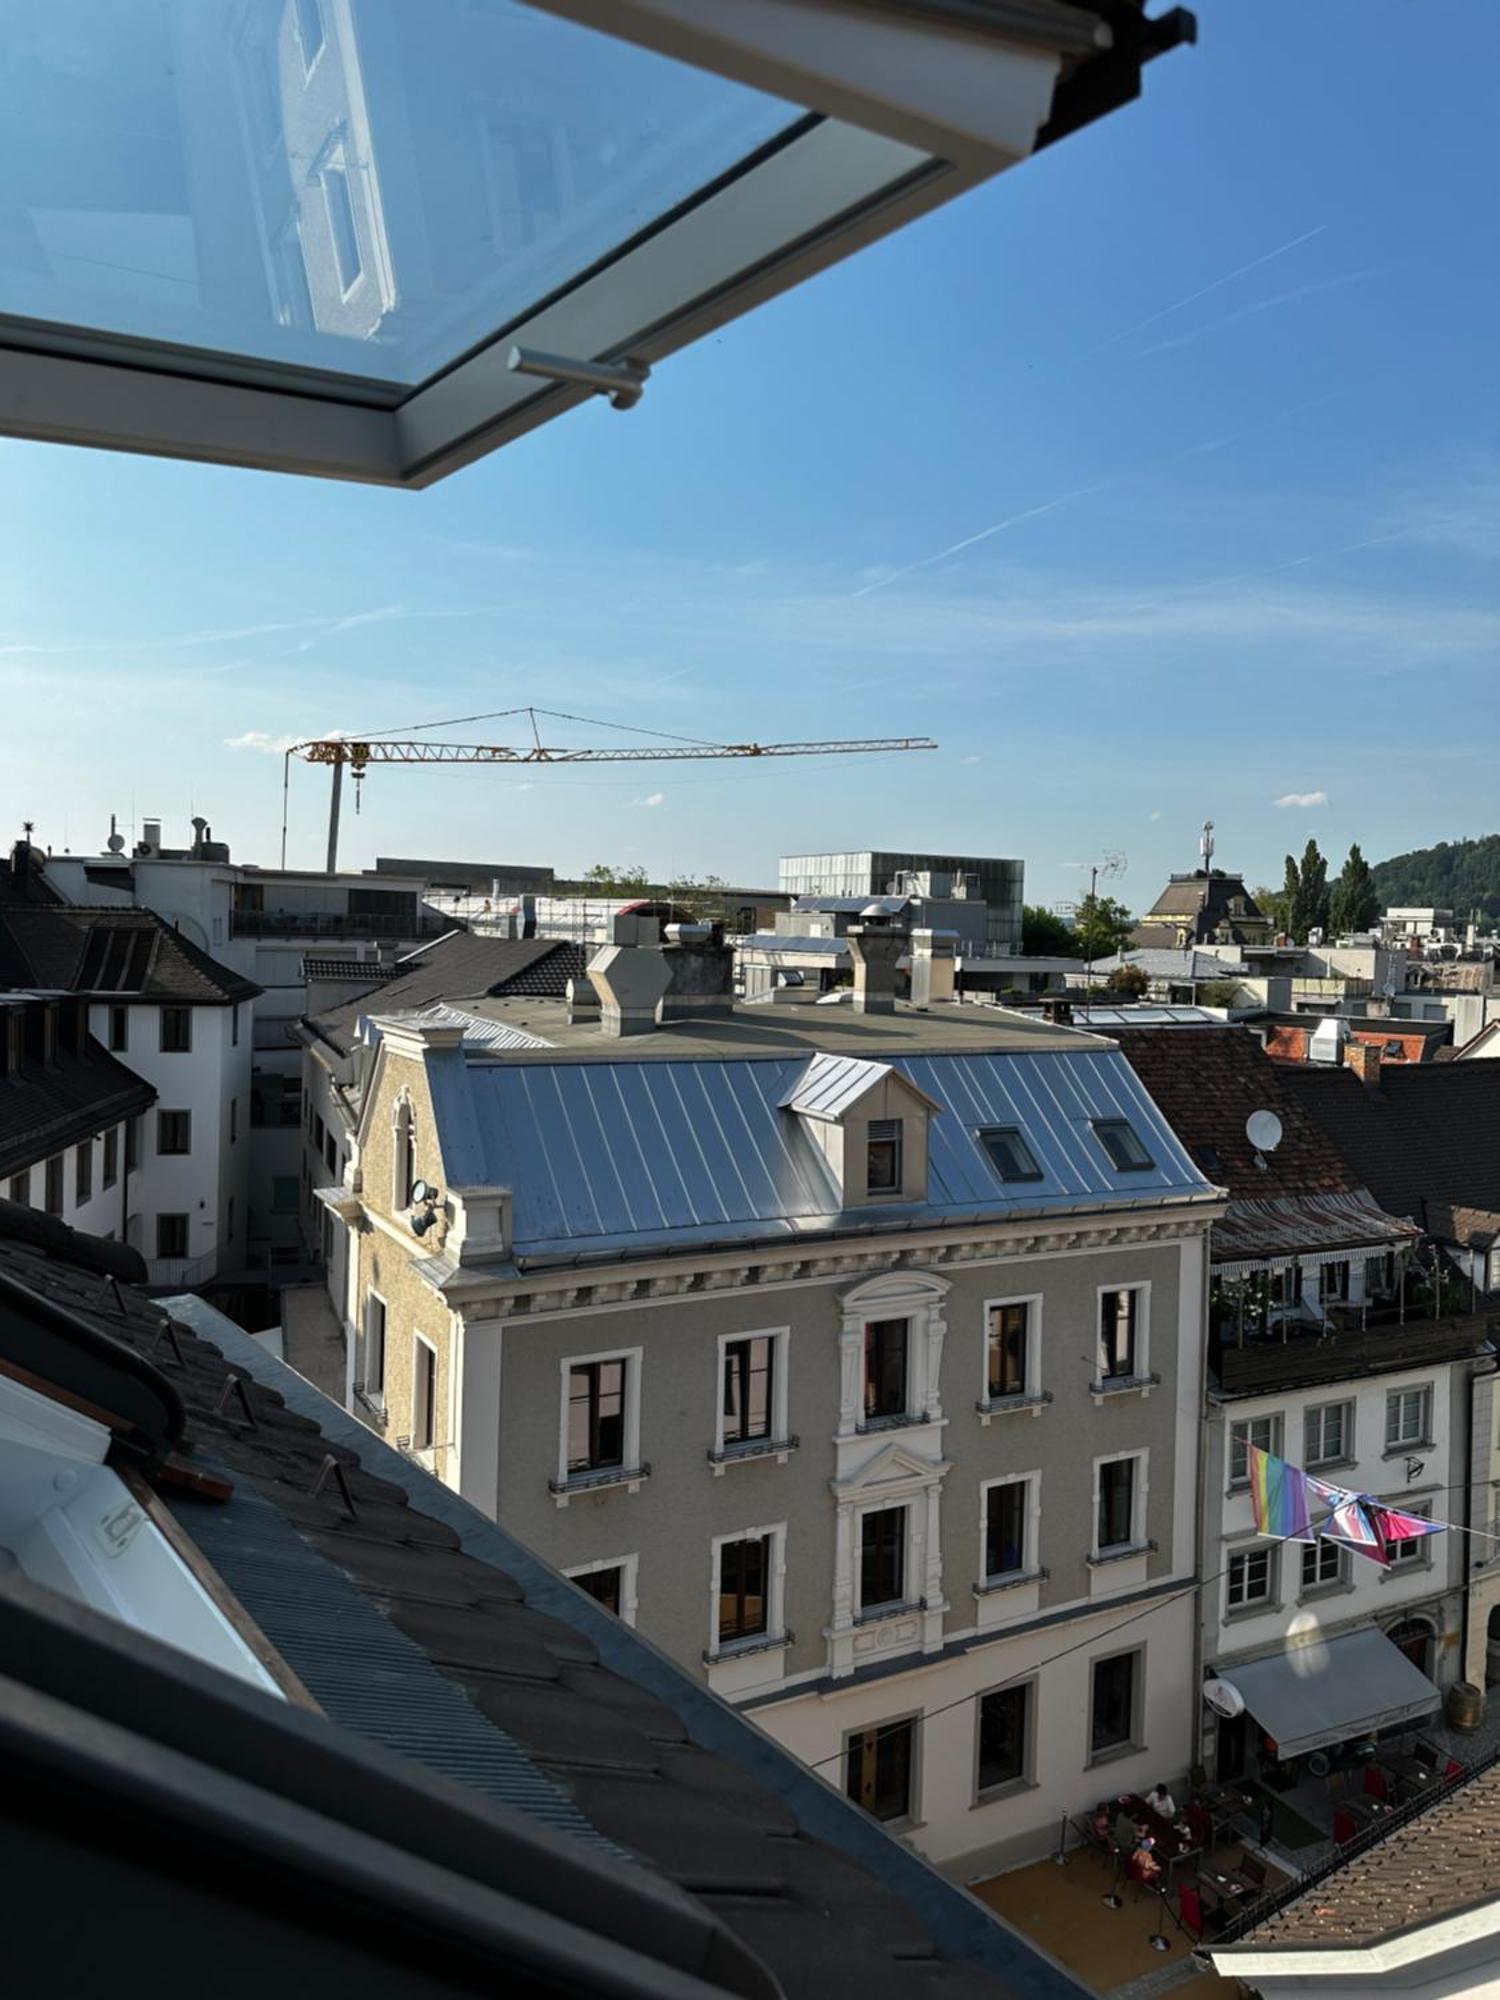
x,y
697,1844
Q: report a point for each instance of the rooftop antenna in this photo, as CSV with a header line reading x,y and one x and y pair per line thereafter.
x,y
1109,867
1206,846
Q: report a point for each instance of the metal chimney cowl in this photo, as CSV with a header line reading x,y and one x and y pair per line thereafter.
x,y
875,944
630,983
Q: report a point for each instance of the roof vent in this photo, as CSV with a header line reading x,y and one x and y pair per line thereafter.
x,y
630,983
875,943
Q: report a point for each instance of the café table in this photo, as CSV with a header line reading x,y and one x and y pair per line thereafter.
x,y
1410,1773
1227,1888
1173,1838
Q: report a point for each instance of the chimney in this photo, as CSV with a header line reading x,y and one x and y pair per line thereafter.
x,y
630,982
875,943
1364,1059
583,1002
700,973
933,958
1057,1008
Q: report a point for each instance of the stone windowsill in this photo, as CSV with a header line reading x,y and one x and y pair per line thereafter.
x,y
373,1413
752,1448
743,1649
907,1420
1000,1406
881,1613
1314,1592
605,1480
1102,1558
1012,1580
1124,1385
1114,1752
1416,1564
1406,1450
1241,1614
1011,1789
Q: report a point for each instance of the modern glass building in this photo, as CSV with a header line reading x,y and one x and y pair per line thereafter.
x,y
998,884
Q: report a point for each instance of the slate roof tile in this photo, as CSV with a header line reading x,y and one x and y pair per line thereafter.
x,y
133,954
1425,1134
694,1842
463,966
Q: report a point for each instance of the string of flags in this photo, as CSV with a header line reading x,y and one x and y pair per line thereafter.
x,y
1284,1497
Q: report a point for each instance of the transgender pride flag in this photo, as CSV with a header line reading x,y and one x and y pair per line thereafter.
x,y
1278,1494
1349,1519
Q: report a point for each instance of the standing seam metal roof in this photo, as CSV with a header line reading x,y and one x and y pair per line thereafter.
x,y
626,1155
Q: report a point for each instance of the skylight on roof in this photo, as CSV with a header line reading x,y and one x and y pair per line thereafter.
x,y
1122,1144
1009,1153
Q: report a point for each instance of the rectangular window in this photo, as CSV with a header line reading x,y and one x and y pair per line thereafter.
x,y
1262,1432
1415,1550
1249,1579
83,1171
1007,1350
176,1031
341,226
229,1221
1122,1145
596,1415
744,1588
1006,1509
1322,1564
119,1029
423,1395
1116,1522
1119,1326
1328,1434
886,1348
54,1185
883,1156
171,1236
1004,1727
111,1156
234,1119
284,1194
20,1188
369,1351
1010,1156
882,1558
174,1131
1333,1281
748,1388
1408,1418
132,1144
878,1770
1112,1721
604,1586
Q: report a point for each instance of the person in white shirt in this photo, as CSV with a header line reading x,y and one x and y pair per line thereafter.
x,y
1161,1801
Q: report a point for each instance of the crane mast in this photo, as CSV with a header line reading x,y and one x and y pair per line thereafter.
x,y
356,755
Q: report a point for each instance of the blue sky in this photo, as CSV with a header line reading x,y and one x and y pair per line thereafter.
x,y
1158,480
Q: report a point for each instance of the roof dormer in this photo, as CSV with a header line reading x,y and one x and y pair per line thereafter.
x,y
869,1122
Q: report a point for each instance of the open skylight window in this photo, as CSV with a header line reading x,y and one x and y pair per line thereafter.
x,y
1121,1142
1009,1153
313,235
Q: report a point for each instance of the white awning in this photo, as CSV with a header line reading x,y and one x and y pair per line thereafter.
x,y
1326,1690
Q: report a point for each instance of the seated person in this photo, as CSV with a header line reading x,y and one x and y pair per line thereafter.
x,y
1125,1833
1143,1865
1161,1801
1099,1821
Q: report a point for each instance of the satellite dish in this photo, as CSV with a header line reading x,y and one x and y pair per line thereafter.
x,y
1224,1698
1263,1130
420,1191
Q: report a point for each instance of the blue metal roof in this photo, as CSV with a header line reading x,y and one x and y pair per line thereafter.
x,y
632,1156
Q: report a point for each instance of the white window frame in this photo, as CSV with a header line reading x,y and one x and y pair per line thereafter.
x,y
1267,1600
375,1399
1030,1568
1416,1551
1133,1746
632,1472
780,1442
1346,1456
1239,1482
907,1602
775,1634
1139,1496
1315,1585
629,1568
1396,1446
425,1451
1034,1396
920,1298
1141,1382
403,1134
1030,1688
914,1770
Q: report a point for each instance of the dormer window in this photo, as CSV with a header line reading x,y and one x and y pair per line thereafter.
x,y
1119,1139
1010,1156
883,1156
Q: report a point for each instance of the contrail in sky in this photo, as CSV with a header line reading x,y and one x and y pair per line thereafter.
x,y
996,528
1192,298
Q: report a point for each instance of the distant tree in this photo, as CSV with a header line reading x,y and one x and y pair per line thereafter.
x,y
1355,902
1458,875
1219,992
1307,893
1102,927
606,879
1129,980
1045,935
1274,904
698,895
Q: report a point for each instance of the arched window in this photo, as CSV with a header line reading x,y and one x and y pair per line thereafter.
x,y
404,1155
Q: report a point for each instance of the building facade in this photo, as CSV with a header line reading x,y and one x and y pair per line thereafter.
x,y
873,873
860,1368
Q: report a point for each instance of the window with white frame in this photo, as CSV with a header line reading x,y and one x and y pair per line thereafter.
x,y
1413,1551
403,1153
612,1582
369,1351
1012,1344
882,1559
1262,1432
1003,1738
1008,1528
1328,1434
890,1352
752,1400
883,1149
1323,1565
339,206
424,1392
1333,1281
1251,1579
1408,1417
1122,1333
1119,1503
1115,1687
887,1370
748,1589
601,1418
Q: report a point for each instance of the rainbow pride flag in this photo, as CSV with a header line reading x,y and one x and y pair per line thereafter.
x,y
1278,1495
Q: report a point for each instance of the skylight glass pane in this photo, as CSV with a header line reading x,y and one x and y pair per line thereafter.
x,y
370,189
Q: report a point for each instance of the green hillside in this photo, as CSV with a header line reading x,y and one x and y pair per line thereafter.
x,y
1457,875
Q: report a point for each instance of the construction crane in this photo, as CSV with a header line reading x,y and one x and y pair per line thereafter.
x,y
356,755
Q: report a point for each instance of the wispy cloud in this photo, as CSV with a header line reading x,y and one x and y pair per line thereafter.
x,y
1214,285
971,760
1256,306
1301,799
1456,507
258,739
1157,815
652,799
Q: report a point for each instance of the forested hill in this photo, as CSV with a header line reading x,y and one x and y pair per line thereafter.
x,y
1459,875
